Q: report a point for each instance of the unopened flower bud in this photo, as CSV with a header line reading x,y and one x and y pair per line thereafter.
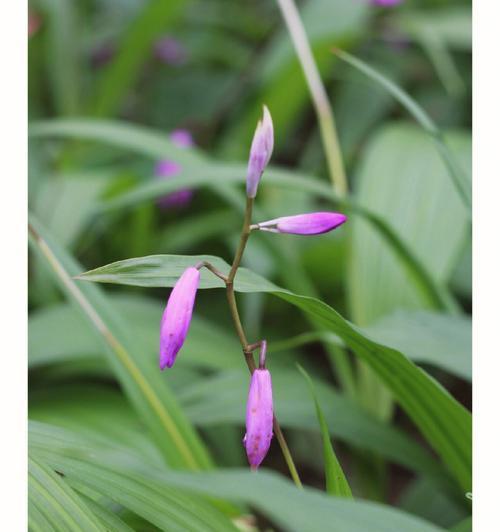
x,y
260,152
259,421
313,223
177,316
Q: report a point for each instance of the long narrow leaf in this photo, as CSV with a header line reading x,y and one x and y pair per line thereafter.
x,y
200,171
336,483
444,422
460,179
142,381
292,509
57,502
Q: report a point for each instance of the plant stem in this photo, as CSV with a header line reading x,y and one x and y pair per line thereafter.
x,y
246,347
319,96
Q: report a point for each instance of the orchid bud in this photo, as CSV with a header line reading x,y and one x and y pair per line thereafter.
x,y
177,316
313,223
260,152
259,421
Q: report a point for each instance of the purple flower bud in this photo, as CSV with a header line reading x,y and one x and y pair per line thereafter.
x,y
177,316
164,170
182,138
170,51
313,223
259,422
260,152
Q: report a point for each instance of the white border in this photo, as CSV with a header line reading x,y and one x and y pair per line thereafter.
x,y
13,340
486,268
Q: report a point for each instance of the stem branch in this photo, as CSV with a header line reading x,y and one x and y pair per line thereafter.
x,y
246,347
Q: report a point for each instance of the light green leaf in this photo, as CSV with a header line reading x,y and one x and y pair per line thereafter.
x,y
135,47
61,35
441,340
207,346
403,180
142,382
444,422
460,174
336,483
200,171
55,502
292,509
117,475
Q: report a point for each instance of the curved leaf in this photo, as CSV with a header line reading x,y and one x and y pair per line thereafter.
x,y
444,422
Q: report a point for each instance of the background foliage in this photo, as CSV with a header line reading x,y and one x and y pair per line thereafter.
x,y
377,313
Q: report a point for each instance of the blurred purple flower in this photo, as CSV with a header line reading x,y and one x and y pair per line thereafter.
x,y
34,22
259,419
314,223
182,138
177,316
170,51
165,169
260,152
386,3
102,55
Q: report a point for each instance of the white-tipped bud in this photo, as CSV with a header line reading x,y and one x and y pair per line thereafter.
x,y
260,152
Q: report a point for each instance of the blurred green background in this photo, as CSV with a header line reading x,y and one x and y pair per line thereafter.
x,y
109,81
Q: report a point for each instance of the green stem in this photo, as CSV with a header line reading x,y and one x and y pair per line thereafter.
x,y
319,96
246,347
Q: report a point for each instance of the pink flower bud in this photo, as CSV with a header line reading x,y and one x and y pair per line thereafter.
x,y
260,152
313,223
177,316
259,422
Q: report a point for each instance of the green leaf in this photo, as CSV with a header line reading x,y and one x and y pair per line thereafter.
x,y
109,519
142,381
61,35
461,179
441,340
135,48
207,346
124,478
117,475
444,422
280,79
55,502
200,171
403,180
88,409
336,483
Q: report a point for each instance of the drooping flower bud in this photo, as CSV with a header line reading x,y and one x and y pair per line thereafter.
x,y
314,223
177,316
259,420
260,152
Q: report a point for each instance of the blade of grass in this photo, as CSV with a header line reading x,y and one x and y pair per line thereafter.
x,y
459,177
142,381
336,483
319,96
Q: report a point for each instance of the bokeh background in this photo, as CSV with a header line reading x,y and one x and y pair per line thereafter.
x,y
113,83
